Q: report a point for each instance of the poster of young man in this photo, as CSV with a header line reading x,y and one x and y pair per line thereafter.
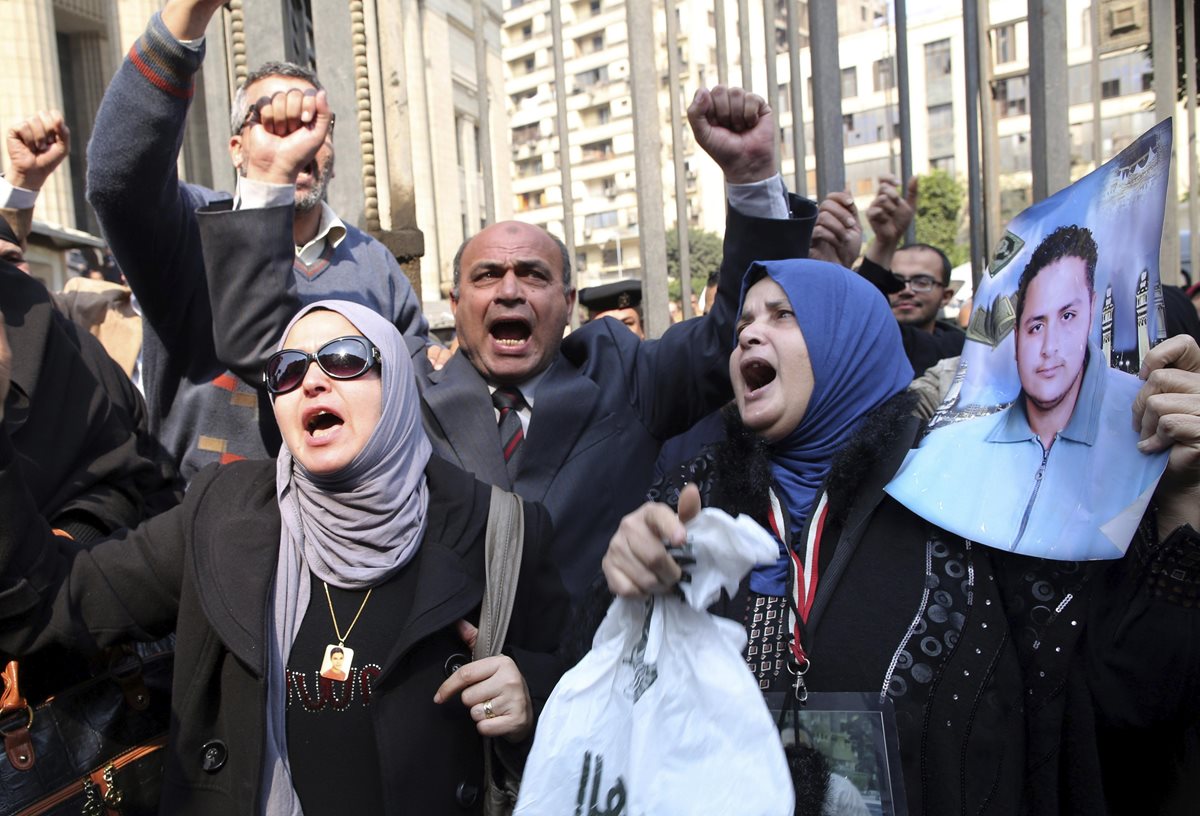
x,y
1034,450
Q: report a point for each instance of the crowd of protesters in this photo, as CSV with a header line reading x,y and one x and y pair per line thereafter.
x,y
246,435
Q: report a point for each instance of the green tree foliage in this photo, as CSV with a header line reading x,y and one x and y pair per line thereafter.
x,y
939,215
704,258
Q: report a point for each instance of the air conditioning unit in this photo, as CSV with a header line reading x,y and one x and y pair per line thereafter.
x,y
1122,19
610,192
587,232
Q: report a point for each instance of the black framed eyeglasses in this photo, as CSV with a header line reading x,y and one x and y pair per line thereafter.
x,y
342,358
918,283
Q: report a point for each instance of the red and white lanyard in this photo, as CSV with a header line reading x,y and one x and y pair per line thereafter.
x,y
803,575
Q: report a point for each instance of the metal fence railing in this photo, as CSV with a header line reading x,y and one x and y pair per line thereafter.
x,y
734,25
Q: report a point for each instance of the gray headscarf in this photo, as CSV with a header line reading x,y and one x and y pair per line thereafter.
x,y
354,528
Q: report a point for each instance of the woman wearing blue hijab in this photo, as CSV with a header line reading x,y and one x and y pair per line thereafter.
x,y
816,351
1003,669
817,364
847,361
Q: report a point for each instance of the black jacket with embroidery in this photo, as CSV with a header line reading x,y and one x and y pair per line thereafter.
x,y
1020,685
207,567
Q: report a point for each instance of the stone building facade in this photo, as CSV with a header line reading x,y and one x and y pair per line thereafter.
x,y
401,77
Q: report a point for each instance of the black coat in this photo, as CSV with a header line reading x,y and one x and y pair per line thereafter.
x,y
207,567
988,721
76,421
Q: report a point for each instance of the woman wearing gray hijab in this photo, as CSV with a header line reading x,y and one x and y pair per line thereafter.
x,y
323,603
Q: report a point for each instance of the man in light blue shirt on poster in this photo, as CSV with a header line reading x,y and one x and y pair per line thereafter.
x,y
1057,473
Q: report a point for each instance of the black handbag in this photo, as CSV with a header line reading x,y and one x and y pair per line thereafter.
x,y
95,748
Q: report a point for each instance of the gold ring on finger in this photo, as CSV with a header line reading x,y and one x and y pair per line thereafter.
x,y
488,712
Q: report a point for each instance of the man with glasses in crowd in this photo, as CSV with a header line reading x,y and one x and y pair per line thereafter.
x,y
915,278
924,273
199,411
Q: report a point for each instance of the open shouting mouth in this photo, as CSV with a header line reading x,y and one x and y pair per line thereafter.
x,y
757,374
510,333
321,423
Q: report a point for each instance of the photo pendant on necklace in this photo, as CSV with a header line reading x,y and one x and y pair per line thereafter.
x,y
337,662
339,658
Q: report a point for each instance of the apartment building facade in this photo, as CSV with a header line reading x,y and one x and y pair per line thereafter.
x,y
601,136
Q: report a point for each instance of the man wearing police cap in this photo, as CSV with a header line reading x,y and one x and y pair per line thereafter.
x,y
621,301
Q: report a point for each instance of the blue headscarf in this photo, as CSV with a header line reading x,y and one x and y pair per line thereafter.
x,y
858,363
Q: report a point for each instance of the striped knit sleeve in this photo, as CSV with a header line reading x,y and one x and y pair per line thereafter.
x,y
166,63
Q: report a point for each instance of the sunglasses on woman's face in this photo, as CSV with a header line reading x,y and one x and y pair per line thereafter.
x,y
343,358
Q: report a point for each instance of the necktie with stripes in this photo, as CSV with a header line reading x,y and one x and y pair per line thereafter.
x,y
508,401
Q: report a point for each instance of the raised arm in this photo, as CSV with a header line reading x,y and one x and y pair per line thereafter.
x,y
837,237
36,146
146,214
683,376
890,215
737,129
249,253
188,19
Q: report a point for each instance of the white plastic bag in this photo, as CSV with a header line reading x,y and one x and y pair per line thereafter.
x,y
663,716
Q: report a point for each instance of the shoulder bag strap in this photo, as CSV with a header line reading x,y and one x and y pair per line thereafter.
x,y
504,542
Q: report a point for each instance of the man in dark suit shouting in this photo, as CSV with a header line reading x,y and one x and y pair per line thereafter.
x,y
594,408
577,422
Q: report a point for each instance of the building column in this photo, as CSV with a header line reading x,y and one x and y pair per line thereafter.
x,y
1049,129
392,136
827,97
1162,34
206,140
643,81
472,188
340,40
29,66
264,31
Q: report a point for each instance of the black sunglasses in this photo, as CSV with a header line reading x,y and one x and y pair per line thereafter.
x,y
342,358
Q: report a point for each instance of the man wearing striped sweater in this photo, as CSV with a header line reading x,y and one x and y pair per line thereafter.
x,y
201,412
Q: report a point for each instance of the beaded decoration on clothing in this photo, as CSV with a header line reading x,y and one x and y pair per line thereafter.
x,y
766,630
315,693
